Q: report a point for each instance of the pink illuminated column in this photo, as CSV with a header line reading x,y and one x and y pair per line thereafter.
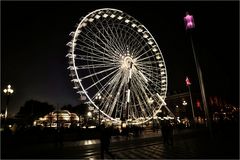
x,y
190,25
189,21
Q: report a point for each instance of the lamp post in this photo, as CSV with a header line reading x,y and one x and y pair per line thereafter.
x,y
190,25
8,91
188,84
98,98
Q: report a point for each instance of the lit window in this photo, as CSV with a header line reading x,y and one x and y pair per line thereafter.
x,y
139,30
134,25
105,15
97,16
145,36
90,19
120,17
150,42
154,49
112,16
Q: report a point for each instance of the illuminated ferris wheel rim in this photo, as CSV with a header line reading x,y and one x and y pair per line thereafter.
x,y
141,28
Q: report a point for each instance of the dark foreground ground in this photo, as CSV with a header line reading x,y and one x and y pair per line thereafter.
x,y
188,143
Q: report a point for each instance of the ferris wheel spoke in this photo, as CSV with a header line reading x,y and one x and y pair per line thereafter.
x,y
143,94
110,85
89,66
116,30
140,102
105,38
87,52
122,37
114,41
135,110
95,59
145,66
98,60
144,53
99,81
96,43
133,40
125,38
96,73
91,48
140,50
105,86
117,39
111,91
117,96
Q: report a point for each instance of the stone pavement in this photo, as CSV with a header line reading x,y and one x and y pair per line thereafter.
x,y
192,144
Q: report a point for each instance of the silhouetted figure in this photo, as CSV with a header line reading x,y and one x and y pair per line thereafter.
x,y
105,137
59,136
169,130
164,131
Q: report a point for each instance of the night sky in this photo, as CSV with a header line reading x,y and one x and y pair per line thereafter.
x,y
34,37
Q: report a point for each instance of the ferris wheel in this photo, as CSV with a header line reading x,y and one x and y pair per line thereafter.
x,y
116,63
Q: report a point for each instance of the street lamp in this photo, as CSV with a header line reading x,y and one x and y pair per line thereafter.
x,y
190,25
98,98
8,91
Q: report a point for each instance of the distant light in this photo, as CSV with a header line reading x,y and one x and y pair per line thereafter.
x,y
188,83
198,104
89,114
184,103
150,100
128,95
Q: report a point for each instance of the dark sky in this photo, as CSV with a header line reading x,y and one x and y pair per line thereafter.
x,y
34,34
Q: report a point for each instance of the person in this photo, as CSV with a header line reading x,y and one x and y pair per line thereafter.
x,y
169,133
164,131
105,137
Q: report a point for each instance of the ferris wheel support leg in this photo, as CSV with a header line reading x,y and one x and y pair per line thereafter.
x,y
165,105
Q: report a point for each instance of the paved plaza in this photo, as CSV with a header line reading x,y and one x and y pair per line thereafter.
x,y
194,144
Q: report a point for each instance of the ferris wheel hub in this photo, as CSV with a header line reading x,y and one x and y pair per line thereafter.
x,y
127,62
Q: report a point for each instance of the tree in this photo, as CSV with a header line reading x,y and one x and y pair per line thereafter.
x,y
81,110
33,110
68,107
